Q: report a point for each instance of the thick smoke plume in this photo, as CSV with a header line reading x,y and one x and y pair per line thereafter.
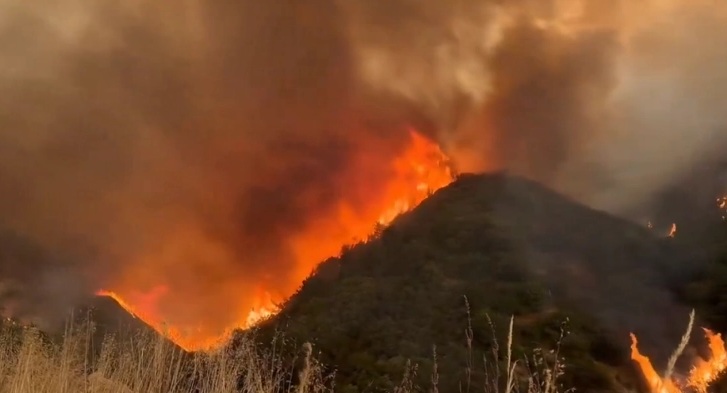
x,y
178,148
607,100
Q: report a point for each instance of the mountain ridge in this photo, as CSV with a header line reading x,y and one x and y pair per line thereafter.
x,y
512,247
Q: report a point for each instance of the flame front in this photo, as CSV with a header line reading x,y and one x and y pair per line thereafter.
x,y
706,371
420,169
653,380
702,374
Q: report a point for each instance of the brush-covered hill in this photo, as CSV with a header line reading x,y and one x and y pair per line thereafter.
x,y
39,286
511,247
706,288
108,319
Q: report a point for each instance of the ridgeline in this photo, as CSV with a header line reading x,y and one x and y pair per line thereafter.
x,y
508,246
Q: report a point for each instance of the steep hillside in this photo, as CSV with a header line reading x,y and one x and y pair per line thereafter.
x,y
39,287
511,247
109,319
706,290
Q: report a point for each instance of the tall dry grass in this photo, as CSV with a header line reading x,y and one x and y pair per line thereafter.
x,y
538,373
144,363
147,363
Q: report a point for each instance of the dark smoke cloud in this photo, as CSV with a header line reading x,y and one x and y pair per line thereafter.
x,y
183,144
199,135
544,88
607,101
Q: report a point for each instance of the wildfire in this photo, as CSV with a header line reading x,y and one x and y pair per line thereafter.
x,y
702,374
142,313
653,380
419,169
672,230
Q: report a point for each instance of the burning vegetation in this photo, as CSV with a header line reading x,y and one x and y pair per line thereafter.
x,y
417,171
672,230
704,371
702,374
196,160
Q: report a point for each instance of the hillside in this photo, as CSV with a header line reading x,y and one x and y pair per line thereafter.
x,y
39,286
706,290
512,247
109,319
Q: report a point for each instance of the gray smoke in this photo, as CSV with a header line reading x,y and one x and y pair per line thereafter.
x,y
609,101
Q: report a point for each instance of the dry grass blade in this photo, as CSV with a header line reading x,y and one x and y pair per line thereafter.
x,y
148,363
680,349
144,363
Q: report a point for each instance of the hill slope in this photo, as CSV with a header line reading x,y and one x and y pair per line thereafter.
x,y
510,246
110,319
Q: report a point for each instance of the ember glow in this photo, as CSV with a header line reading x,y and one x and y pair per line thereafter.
x,y
420,169
722,204
672,230
702,374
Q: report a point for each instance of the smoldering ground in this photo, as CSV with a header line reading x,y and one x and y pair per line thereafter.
x,y
181,145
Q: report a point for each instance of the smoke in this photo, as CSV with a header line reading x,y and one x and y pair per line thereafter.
x,y
607,101
175,150
181,143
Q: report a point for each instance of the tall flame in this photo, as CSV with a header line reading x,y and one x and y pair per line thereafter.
x,y
420,169
653,380
703,373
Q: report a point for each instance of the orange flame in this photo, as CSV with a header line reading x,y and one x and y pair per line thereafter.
x,y
142,312
672,230
653,380
702,374
420,169
706,371
722,205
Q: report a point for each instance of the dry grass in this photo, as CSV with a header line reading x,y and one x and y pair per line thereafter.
x,y
29,363
146,363
540,373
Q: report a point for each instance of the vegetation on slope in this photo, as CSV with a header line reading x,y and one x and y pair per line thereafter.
x,y
30,363
706,288
420,307
512,248
148,363
109,319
